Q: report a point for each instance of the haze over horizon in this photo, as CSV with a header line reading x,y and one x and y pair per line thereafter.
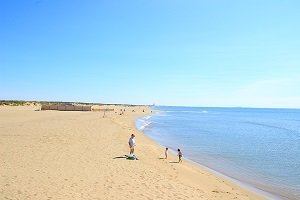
x,y
192,53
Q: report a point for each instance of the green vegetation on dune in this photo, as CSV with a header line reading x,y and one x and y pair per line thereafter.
x,y
24,103
12,103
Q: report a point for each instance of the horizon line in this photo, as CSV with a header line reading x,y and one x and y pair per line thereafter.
x,y
97,103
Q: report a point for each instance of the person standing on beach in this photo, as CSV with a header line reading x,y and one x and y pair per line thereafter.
x,y
166,152
179,155
131,143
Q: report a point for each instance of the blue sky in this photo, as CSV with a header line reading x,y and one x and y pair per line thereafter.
x,y
191,53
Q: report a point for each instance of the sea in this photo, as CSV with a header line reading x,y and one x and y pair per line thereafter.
x,y
258,148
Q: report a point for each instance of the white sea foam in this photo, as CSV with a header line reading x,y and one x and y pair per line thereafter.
x,y
147,117
145,125
142,123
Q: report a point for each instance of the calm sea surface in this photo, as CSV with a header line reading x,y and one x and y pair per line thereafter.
x,y
258,147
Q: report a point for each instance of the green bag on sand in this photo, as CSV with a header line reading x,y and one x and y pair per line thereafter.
x,y
130,158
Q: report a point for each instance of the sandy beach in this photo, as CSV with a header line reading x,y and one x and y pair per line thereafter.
x,y
80,155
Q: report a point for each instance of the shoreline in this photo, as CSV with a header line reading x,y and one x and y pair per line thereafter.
x,y
265,192
80,155
245,185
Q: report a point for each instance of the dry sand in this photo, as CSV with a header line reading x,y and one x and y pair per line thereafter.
x,y
74,155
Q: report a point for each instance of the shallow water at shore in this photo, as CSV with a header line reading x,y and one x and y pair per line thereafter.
x,y
260,147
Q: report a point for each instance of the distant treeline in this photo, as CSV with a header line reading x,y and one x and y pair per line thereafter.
x,y
15,103
24,103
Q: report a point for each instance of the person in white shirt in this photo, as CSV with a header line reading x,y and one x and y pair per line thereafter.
x,y
131,143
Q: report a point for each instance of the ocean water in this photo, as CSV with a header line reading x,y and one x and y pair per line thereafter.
x,y
257,147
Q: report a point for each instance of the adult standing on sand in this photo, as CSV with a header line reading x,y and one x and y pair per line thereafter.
x,y
131,143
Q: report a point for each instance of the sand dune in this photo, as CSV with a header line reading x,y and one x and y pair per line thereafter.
x,y
78,155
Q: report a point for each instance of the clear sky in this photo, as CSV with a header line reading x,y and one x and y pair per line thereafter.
x,y
170,52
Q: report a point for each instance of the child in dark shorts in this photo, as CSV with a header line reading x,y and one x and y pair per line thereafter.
x,y
179,155
166,153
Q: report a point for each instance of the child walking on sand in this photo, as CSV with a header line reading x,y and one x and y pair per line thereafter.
x,y
166,152
179,155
